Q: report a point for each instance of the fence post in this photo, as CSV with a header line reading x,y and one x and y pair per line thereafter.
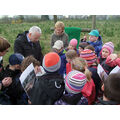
x,y
93,21
55,18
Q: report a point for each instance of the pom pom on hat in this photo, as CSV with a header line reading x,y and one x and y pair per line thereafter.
x,y
109,46
51,62
75,81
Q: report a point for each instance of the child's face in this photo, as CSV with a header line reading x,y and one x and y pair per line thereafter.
x,y
58,30
4,52
37,69
105,53
70,47
93,38
17,67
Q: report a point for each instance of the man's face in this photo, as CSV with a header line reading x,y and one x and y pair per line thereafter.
x,y
34,37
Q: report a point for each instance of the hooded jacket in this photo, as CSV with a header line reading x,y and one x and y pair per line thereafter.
x,y
97,45
47,89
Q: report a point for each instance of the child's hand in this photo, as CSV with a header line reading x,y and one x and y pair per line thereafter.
x,y
7,81
29,102
85,38
113,56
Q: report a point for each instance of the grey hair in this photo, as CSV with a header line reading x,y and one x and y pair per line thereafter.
x,y
34,29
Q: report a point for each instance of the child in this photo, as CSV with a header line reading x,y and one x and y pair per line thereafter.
x,y
15,90
89,89
39,71
96,41
111,90
73,45
107,58
59,49
49,87
59,34
74,83
70,55
91,60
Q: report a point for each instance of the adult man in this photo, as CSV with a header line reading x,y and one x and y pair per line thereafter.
x,y
28,43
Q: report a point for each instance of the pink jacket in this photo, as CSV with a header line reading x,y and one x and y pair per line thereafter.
x,y
89,91
68,68
112,63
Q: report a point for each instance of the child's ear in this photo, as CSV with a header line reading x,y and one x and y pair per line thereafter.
x,y
102,87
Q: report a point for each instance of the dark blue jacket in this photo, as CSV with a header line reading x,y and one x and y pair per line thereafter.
x,y
72,99
26,48
62,69
97,45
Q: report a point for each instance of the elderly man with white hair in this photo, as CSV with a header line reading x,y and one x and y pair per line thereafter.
x,y
28,43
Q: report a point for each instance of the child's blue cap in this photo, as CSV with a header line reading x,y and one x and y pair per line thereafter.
x,y
94,33
16,59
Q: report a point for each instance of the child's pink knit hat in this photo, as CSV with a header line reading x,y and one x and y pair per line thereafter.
x,y
73,42
109,46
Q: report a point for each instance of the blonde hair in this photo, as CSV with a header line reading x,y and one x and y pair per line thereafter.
x,y
71,54
59,24
81,65
4,44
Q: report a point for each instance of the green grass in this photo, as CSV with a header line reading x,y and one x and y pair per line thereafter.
x,y
109,30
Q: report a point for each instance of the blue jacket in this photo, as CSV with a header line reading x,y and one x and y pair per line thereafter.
x,y
97,45
62,69
72,99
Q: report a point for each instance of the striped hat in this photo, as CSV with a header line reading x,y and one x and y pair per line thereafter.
x,y
89,56
51,62
109,46
75,81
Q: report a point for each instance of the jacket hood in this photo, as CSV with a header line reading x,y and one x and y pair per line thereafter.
x,y
22,34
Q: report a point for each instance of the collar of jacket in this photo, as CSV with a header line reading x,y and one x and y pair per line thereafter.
x,y
110,102
59,35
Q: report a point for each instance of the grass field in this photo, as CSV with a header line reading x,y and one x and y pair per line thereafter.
x,y
109,30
